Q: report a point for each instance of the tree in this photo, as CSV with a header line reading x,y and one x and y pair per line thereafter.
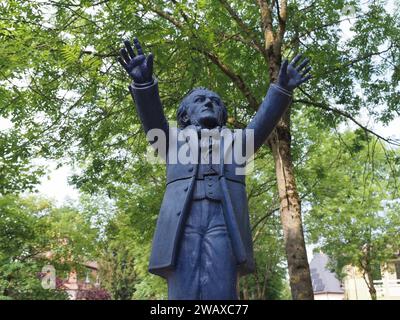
x,y
35,233
16,170
125,254
353,213
22,241
79,91
269,279
118,271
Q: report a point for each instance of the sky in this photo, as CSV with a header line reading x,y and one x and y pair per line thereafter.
x,y
55,184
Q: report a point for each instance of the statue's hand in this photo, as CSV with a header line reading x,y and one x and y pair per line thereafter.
x,y
290,76
139,67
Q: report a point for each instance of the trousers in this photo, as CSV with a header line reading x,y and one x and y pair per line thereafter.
x,y
206,267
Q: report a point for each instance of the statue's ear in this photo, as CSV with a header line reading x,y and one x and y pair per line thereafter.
x,y
185,120
223,117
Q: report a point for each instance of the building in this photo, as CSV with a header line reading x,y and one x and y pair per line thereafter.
x,y
326,285
387,287
82,285
88,282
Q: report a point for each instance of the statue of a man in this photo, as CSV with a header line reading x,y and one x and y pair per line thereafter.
x,y
203,242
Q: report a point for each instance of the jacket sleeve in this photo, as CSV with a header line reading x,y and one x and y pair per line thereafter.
x,y
271,110
149,107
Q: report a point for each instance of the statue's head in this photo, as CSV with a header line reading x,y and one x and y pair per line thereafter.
x,y
202,107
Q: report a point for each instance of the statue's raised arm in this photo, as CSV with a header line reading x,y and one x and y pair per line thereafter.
x,y
138,66
292,76
144,88
278,98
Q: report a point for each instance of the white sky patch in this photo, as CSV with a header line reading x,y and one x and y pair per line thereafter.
x,y
5,124
48,14
92,11
391,130
68,94
55,185
66,36
20,83
310,251
90,48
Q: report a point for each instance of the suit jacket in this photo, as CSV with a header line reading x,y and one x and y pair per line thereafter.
x,y
181,181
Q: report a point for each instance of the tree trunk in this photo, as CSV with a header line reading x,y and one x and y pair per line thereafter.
x,y
243,287
290,211
366,267
290,204
367,275
371,286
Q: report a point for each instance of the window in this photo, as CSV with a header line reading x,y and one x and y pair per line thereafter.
x,y
397,266
376,271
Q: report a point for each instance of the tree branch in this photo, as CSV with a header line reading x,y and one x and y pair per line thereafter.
x,y
343,114
237,37
168,17
362,58
282,17
183,14
282,14
268,214
236,79
257,44
266,23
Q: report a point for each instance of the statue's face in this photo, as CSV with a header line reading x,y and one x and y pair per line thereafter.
x,y
205,108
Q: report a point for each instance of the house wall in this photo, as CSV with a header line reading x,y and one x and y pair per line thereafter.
x,y
355,288
328,296
387,289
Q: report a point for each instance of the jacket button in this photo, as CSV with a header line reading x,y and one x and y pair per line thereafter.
x,y
178,213
190,169
186,188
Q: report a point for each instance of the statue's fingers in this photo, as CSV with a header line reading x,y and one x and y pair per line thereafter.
x,y
284,66
304,73
138,46
149,62
123,63
303,64
124,55
129,48
296,59
306,79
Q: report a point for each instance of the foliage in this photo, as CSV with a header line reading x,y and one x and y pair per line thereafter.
x,y
269,280
70,96
353,212
94,294
35,233
124,259
66,96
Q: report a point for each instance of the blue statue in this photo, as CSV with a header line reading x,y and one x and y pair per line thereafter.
x,y
203,242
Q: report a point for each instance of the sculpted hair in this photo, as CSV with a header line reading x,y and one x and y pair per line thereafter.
x,y
182,110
